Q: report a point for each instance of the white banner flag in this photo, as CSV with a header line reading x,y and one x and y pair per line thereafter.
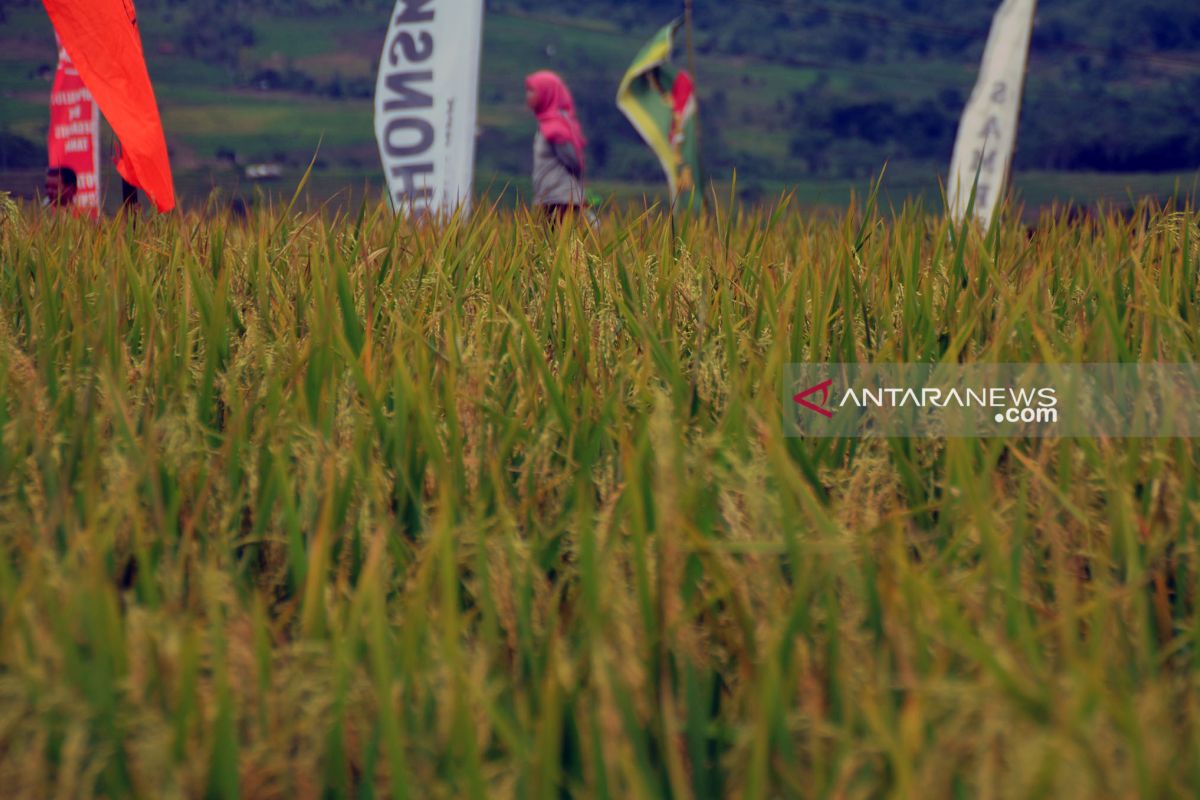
x,y
426,101
988,131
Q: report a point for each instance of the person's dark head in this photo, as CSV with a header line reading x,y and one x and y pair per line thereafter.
x,y
238,210
61,185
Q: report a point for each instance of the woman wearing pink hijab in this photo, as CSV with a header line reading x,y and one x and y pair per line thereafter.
x,y
558,161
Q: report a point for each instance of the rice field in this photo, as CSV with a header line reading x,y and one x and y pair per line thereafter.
x,y
342,506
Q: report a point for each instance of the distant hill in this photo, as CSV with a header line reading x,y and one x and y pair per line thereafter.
x,y
812,95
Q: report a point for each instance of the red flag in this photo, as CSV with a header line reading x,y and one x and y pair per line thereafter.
x,y
103,40
74,140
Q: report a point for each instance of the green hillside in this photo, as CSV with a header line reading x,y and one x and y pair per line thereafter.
x,y
805,96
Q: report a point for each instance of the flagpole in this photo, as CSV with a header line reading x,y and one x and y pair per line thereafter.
x,y
691,58
691,45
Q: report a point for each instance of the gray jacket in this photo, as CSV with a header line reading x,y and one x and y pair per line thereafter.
x,y
557,173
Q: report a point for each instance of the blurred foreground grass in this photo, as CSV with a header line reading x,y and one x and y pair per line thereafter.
x,y
350,508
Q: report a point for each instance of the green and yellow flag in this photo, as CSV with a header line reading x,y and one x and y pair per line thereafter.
x,y
660,101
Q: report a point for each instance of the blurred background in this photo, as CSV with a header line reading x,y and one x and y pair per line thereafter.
x,y
811,97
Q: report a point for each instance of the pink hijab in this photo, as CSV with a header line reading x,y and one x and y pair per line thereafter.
x,y
555,110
